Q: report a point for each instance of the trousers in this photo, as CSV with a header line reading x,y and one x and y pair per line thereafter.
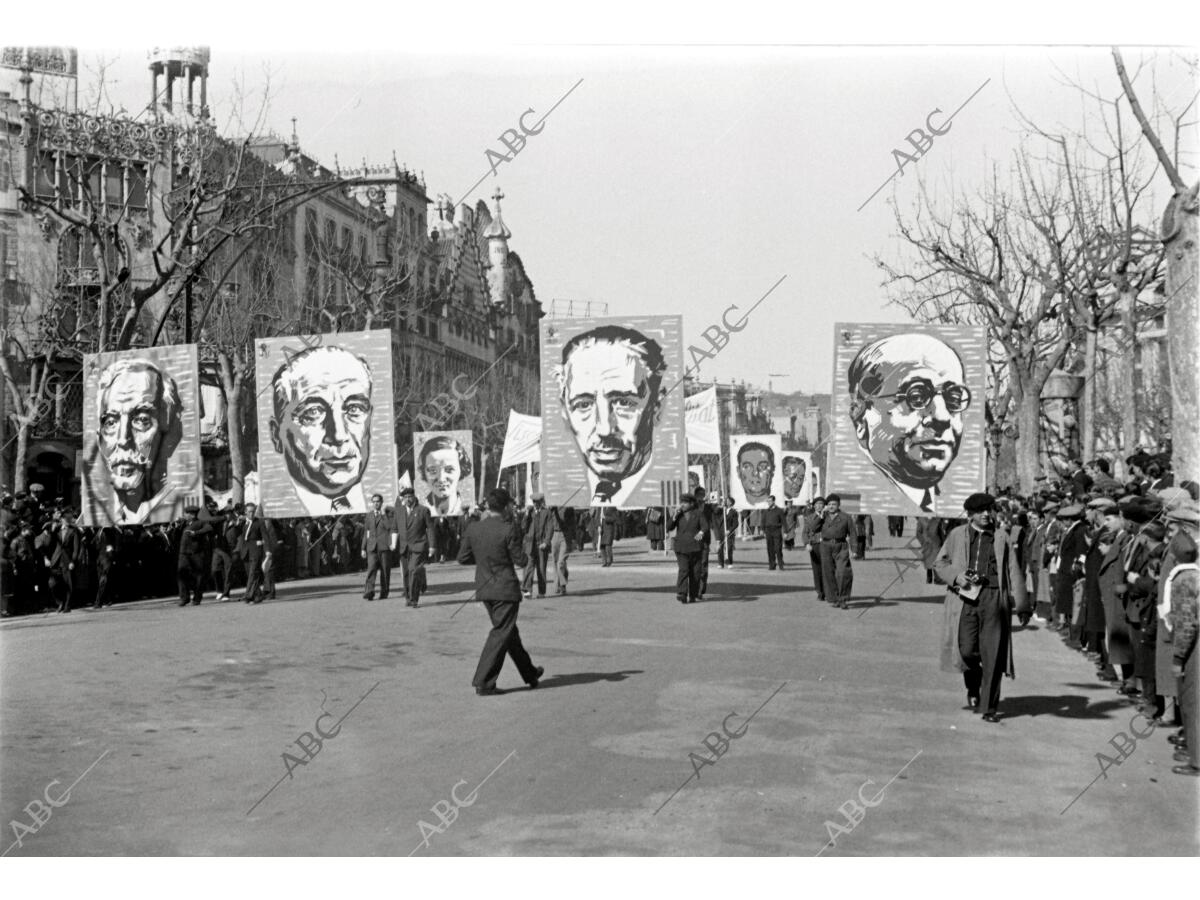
x,y
983,645
378,561
503,639
560,549
836,574
687,585
814,558
774,547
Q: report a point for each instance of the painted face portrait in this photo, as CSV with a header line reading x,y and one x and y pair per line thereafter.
x,y
139,411
322,420
907,399
442,473
693,482
756,469
794,470
609,389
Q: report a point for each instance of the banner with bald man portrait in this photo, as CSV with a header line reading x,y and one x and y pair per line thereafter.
x,y
325,433
612,412
141,436
908,426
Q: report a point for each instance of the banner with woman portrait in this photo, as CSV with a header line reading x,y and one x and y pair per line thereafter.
x,y
445,471
757,470
141,435
908,425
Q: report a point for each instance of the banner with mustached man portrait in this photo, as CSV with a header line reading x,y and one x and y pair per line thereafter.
x,y
325,434
141,435
908,425
756,465
612,412
445,474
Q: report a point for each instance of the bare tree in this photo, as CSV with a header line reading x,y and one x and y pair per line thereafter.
x,y
1178,235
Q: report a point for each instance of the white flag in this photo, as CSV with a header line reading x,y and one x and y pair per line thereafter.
x,y
522,441
700,416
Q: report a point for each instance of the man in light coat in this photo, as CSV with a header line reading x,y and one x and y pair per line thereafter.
x,y
986,586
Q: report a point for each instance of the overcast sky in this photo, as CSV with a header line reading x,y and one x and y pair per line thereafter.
x,y
678,179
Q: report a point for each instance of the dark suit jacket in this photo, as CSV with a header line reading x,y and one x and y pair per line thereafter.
x,y
686,525
415,528
259,537
494,546
378,537
539,526
69,549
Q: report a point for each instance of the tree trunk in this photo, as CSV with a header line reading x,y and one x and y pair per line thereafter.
x,y
1028,404
232,385
1179,236
1127,386
20,467
1087,412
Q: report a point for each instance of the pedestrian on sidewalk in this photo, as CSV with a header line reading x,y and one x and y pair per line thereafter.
x,y
493,545
416,540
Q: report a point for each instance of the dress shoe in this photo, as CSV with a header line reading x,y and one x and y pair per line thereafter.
x,y
1186,770
972,703
538,677
195,603
488,691
368,598
990,717
1181,756
181,603
411,605
1177,739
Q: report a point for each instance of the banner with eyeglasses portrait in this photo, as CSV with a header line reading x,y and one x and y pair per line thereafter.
x,y
756,461
908,425
325,434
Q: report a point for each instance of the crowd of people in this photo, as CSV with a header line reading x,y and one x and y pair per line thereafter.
x,y
1109,565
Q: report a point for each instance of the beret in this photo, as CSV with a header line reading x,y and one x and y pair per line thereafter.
x,y
407,492
833,498
1103,503
1140,510
979,502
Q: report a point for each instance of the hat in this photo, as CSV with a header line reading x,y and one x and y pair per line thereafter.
x,y
36,488
537,495
1188,513
1139,510
979,502
1104,504
1155,530
1050,507
407,492
1074,511
833,498
1173,496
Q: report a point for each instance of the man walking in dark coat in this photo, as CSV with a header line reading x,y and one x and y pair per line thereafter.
x,y
539,528
193,557
837,531
773,520
493,545
66,561
108,548
689,527
378,542
416,539
258,538
1067,566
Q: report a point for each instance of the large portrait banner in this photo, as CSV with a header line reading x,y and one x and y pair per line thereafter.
x,y
612,410
756,461
908,425
445,475
141,435
324,403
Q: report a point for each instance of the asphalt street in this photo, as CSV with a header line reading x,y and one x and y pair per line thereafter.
x,y
320,724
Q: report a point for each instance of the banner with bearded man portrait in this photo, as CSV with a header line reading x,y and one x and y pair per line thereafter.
x,y
908,422
141,435
612,410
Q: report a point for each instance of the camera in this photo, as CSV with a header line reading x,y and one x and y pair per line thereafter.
x,y
972,577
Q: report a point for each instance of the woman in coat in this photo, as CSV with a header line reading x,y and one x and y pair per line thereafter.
x,y
656,526
1114,542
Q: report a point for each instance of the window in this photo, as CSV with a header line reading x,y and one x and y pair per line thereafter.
x,y
137,186
114,183
310,231
345,238
330,234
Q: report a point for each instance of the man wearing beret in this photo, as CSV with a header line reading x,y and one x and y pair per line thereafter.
x,y
986,585
837,531
1180,593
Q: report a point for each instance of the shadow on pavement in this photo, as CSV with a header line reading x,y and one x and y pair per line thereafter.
x,y
1067,706
574,678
